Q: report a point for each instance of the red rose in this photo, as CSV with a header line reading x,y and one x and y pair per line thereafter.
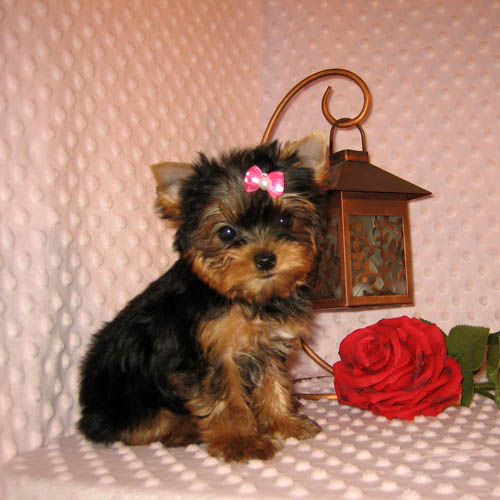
x,y
397,368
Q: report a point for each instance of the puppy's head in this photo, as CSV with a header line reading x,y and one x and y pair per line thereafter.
x,y
248,222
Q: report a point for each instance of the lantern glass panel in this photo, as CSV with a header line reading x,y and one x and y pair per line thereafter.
x,y
328,276
377,255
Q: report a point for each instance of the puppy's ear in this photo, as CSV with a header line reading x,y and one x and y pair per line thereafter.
x,y
169,177
312,151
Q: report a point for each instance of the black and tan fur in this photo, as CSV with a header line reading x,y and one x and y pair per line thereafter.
x,y
200,355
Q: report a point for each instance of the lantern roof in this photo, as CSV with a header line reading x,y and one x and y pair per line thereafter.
x,y
351,171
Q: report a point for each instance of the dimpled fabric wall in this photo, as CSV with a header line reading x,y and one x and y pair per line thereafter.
x,y
94,92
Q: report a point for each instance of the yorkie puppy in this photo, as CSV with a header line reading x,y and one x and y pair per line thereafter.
x,y
200,355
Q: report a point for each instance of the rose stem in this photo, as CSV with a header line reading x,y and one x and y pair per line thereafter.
x,y
484,393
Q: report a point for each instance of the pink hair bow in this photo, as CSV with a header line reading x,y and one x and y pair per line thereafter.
x,y
273,183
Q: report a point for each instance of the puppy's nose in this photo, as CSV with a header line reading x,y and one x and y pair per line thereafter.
x,y
265,260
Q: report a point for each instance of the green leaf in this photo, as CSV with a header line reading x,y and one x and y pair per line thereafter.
x,y
467,344
492,360
467,388
493,364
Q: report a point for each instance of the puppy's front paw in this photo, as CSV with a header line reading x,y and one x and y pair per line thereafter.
x,y
243,448
307,428
298,426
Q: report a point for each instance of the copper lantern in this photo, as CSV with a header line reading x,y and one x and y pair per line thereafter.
x,y
365,253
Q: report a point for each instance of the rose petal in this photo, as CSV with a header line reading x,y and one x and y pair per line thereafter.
x,y
397,367
347,350
371,353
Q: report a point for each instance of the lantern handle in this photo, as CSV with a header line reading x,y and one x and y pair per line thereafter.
x,y
344,122
341,123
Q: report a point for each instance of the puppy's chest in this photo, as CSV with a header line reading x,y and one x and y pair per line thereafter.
x,y
236,333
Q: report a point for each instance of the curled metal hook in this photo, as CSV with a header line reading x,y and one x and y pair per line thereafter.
x,y
342,123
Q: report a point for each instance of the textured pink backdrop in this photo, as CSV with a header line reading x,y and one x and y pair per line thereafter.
x,y
94,92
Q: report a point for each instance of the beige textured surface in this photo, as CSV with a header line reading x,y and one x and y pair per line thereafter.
x,y
93,92
357,456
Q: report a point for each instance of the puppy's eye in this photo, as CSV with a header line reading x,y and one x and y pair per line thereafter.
x,y
227,233
285,221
